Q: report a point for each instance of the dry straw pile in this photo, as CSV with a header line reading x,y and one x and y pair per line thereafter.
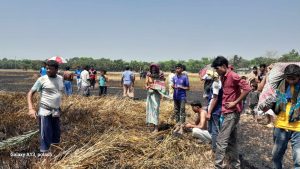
x,y
106,132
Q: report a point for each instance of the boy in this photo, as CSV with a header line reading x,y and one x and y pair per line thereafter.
x,y
102,83
287,123
50,86
199,127
253,97
180,86
235,90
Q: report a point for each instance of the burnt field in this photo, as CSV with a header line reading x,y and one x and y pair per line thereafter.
x,y
116,136
22,81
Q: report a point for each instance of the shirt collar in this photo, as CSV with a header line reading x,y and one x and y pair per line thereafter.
x,y
227,73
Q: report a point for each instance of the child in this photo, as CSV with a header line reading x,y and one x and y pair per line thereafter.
x,y
102,83
180,86
199,127
253,97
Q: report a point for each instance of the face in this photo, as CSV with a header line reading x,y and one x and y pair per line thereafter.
x,y
153,69
51,71
262,69
196,108
221,70
101,73
292,80
253,87
255,71
179,70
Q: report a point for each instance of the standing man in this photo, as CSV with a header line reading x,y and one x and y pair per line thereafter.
x,y
180,85
50,86
78,79
262,72
93,74
214,109
235,90
287,123
253,75
127,81
43,70
68,78
85,81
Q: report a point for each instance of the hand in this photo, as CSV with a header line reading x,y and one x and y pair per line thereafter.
x,y
189,125
32,113
208,116
230,105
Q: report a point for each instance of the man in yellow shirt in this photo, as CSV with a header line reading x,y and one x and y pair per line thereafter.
x,y
287,123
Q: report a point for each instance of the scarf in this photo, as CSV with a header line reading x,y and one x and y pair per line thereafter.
x,y
284,95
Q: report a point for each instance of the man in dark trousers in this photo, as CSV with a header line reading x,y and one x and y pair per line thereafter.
x,y
235,90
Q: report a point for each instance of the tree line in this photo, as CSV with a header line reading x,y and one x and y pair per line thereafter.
x,y
192,65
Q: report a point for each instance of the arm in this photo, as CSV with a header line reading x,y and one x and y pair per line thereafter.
x,y
31,110
202,123
72,75
213,103
262,84
245,89
187,84
147,82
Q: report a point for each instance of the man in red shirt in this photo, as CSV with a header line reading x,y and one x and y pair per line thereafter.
x,y
235,90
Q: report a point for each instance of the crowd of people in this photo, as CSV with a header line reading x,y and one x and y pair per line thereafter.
x,y
226,93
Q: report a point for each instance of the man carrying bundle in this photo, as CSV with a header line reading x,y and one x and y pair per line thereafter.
x,y
50,86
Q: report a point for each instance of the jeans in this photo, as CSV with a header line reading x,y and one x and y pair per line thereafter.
x,y
102,90
227,141
179,111
68,87
281,138
213,129
49,130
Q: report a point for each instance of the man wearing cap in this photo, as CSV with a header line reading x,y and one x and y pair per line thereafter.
x,y
199,127
50,87
235,90
180,85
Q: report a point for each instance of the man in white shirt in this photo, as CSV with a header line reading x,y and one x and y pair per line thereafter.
x,y
85,81
50,87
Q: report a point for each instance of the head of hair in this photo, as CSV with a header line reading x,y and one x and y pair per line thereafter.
x,y
179,65
292,70
219,61
196,103
67,67
254,84
127,68
52,63
262,65
254,68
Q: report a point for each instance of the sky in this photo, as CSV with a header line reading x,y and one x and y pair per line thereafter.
x,y
147,30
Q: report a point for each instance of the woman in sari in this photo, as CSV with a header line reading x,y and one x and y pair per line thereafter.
x,y
153,95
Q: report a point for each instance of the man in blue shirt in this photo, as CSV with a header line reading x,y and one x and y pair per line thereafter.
x,y
127,81
180,86
78,79
43,70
